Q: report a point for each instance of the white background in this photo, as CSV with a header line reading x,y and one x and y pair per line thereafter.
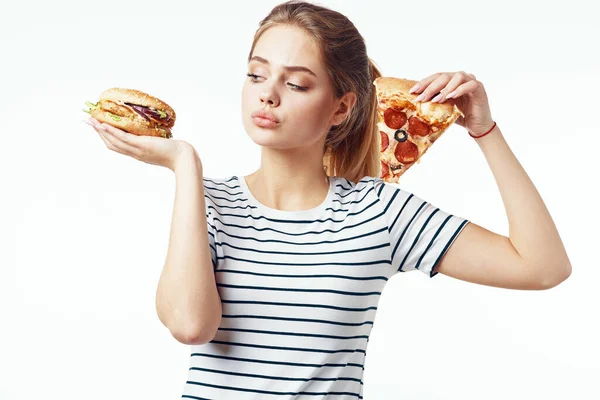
x,y
84,230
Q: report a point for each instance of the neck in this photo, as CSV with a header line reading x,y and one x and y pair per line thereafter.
x,y
289,183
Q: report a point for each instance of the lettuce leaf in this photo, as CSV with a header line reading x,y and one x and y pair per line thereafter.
x,y
114,116
92,107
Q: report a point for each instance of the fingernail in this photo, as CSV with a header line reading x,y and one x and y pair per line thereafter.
x,y
414,88
420,97
437,98
87,122
451,95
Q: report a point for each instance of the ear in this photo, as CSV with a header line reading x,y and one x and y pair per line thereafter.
x,y
343,107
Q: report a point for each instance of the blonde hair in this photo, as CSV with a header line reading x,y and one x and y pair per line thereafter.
x,y
351,149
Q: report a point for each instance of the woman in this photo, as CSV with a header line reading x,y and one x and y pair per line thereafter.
x,y
282,298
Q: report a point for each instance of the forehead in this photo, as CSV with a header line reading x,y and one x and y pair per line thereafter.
x,y
288,45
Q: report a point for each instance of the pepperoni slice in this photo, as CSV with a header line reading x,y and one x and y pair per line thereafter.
x,y
384,170
417,127
394,118
385,141
406,152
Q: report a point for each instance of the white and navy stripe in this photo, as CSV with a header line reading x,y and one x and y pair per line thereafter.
x,y
300,289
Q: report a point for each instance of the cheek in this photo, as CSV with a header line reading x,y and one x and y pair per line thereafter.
x,y
249,102
246,95
311,112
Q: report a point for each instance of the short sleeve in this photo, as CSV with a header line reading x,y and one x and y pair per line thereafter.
x,y
420,233
210,210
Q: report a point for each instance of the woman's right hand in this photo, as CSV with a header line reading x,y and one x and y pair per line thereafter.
x,y
149,149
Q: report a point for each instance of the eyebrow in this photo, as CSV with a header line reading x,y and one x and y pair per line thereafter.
x,y
288,68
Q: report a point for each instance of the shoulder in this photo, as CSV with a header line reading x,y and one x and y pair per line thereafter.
x,y
226,188
367,184
383,190
346,188
212,183
345,184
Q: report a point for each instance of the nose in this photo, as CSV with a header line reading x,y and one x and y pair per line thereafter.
x,y
269,96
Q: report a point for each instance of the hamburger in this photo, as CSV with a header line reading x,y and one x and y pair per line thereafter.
x,y
133,111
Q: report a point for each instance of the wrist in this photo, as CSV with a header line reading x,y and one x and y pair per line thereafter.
x,y
478,135
186,159
491,139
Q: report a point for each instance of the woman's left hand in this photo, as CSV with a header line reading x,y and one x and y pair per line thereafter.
x,y
465,91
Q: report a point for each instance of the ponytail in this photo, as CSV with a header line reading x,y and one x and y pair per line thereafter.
x,y
352,148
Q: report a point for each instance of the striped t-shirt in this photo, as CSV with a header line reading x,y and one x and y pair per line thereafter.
x,y
300,288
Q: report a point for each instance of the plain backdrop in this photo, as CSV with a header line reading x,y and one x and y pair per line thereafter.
x,y
84,230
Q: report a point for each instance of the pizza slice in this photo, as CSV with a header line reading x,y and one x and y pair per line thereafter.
x,y
407,129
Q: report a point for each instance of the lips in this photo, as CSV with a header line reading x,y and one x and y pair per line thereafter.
x,y
265,115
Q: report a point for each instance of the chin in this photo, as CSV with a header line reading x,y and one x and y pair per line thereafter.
x,y
268,138
267,141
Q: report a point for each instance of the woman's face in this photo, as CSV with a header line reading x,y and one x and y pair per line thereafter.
x,y
300,97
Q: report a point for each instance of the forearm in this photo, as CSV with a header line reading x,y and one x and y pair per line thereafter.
x,y
187,300
531,228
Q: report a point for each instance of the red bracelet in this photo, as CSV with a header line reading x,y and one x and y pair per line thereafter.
x,y
477,137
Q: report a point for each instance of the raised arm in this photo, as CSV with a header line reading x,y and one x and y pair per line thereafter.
x,y
533,255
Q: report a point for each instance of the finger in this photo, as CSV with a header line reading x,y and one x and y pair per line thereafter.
x,y
106,142
423,83
434,87
113,143
140,142
465,88
457,79
96,125
125,137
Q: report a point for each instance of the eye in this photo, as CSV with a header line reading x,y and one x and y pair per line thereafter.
x,y
296,87
253,78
